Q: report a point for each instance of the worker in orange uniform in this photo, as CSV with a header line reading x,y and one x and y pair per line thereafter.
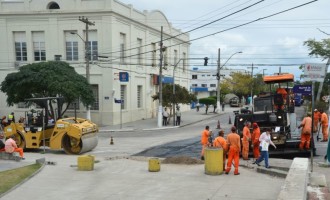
x,y
246,140
306,132
11,146
255,140
234,145
220,142
317,117
324,124
205,140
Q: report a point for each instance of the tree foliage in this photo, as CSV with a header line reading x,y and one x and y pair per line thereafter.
x,y
319,48
208,101
47,79
181,95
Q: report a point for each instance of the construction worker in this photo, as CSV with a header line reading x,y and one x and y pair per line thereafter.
x,y
324,124
255,140
245,140
234,145
11,146
306,131
11,118
205,140
220,142
317,117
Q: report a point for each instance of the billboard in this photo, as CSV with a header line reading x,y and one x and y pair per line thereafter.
x,y
314,72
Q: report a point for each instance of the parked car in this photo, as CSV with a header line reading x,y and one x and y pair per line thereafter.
x,y
234,102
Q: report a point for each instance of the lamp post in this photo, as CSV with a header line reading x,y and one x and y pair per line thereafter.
x,y
218,76
88,111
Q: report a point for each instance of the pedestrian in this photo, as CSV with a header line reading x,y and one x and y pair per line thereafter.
x,y
306,132
317,117
265,141
246,140
255,140
205,140
220,142
11,118
197,106
11,146
324,124
165,116
234,146
178,116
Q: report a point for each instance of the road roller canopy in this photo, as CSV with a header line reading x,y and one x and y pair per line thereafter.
x,y
280,78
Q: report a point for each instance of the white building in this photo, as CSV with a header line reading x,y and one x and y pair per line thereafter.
x,y
204,83
127,39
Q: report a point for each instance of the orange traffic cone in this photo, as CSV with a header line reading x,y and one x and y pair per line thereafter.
x,y
111,140
229,120
218,125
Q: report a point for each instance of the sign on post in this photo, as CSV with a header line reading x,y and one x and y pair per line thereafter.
x,y
314,72
302,89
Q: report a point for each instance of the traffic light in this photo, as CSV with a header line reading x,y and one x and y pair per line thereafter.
x,y
205,61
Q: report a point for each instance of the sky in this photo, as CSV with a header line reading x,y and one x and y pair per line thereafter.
x,y
274,41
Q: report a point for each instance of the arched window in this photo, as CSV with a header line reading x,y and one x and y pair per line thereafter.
x,y
53,5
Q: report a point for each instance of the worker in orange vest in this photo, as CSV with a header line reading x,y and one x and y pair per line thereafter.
x,y
317,117
306,131
234,143
255,140
324,123
220,142
205,140
245,140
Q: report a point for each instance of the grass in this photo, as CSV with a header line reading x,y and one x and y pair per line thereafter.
x,y
10,178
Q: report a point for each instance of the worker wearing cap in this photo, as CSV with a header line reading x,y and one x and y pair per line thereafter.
x,y
245,140
205,140
255,140
234,145
317,117
324,123
220,142
306,132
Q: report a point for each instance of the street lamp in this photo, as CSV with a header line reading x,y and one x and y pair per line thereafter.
x,y
218,76
88,110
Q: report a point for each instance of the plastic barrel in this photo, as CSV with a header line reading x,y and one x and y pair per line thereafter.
x,y
154,165
213,161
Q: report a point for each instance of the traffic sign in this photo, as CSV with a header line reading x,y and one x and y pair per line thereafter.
x,y
302,89
123,76
314,72
119,101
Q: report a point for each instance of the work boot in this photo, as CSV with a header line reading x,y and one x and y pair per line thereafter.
x,y
237,173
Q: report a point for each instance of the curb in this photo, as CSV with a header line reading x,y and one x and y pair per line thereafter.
x,y
41,161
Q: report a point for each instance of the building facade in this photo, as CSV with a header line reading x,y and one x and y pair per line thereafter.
x,y
122,49
204,83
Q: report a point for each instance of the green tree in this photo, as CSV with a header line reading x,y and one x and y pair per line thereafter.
x,y
47,79
207,101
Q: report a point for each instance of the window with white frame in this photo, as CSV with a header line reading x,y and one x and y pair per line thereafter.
x,y
175,59
95,89
204,85
194,77
71,46
123,96
139,51
92,45
154,50
122,47
39,47
165,57
20,46
139,96
194,85
212,85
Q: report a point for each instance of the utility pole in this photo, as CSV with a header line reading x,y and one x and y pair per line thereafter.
x,y
218,77
252,83
87,54
160,108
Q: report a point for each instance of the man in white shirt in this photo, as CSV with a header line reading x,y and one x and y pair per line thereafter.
x,y
265,140
165,116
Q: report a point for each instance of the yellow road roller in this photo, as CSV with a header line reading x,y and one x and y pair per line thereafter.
x,y
73,135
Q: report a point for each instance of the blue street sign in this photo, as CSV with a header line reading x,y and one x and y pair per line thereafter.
x,y
119,101
123,76
302,89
